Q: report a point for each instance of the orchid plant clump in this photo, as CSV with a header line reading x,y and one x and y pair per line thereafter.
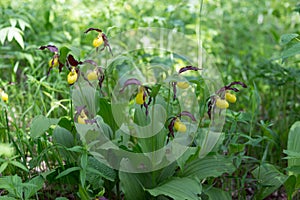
x,y
159,123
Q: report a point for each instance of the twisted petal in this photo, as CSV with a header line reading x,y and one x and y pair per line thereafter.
x,y
188,68
131,81
51,48
93,29
237,83
188,114
72,61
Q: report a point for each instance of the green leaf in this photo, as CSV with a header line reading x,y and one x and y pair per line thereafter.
x,y
63,52
140,117
155,90
82,176
13,22
68,171
77,149
83,160
270,178
106,113
3,167
167,172
293,50
216,193
289,186
38,183
293,143
7,198
286,38
18,37
20,165
40,124
10,34
208,141
178,189
63,136
13,184
23,24
16,34
3,34
181,161
236,148
291,154
66,123
294,169
209,166
95,180
133,185
95,166
83,194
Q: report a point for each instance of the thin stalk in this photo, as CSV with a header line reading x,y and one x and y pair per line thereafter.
x,y
153,140
10,139
106,74
118,188
168,100
7,125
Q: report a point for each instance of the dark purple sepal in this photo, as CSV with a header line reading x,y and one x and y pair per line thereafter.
x,y
51,48
188,114
131,81
188,68
93,29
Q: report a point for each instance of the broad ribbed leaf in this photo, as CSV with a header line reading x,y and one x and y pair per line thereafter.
x,y
63,136
68,171
40,124
63,52
18,37
209,166
106,113
286,38
178,189
131,186
270,178
38,183
293,50
3,34
97,168
208,141
7,198
3,166
216,193
20,165
293,144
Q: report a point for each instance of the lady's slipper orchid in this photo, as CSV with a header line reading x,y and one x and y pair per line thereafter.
x,y
54,61
222,97
143,93
100,39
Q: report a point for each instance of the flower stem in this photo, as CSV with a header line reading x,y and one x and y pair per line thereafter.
x,y
10,139
7,125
